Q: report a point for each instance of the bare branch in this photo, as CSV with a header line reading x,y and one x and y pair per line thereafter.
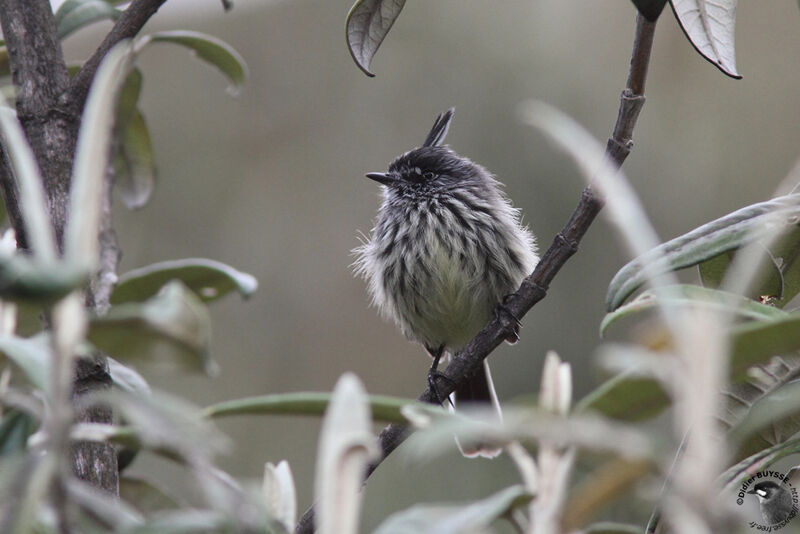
x,y
534,288
127,26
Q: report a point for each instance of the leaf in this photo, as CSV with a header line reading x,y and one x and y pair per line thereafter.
x,y
145,495
772,418
174,323
81,246
208,279
134,168
757,342
383,408
650,9
128,99
211,50
15,429
778,276
455,519
127,378
103,507
709,26
588,431
346,446
279,494
628,396
607,527
30,355
687,296
73,15
29,182
708,241
368,23
31,280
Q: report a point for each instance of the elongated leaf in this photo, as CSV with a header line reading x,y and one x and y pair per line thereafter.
x,y
15,429
128,99
455,519
778,278
174,324
278,490
650,9
30,355
73,15
386,409
211,50
209,279
145,495
687,296
708,241
709,26
612,528
346,447
134,168
36,281
368,23
29,183
127,378
757,342
81,245
627,396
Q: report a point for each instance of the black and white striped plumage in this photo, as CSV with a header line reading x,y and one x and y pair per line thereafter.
x,y
446,248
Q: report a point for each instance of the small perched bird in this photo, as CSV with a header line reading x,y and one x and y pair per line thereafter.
x,y
774,500
446,248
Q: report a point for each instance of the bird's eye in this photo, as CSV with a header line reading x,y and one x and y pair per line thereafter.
x,y
428,175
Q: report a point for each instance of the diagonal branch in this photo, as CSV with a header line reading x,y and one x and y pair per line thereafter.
x,y
127,26
469,360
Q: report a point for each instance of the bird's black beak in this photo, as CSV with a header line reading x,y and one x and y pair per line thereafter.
x,y
382,177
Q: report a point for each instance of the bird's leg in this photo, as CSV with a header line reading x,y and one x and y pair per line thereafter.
x,y
502,308
434,373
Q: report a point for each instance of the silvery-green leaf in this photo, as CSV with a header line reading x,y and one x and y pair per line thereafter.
x,y
687,296
455,519
627,396
173,324
127,378
591,432
128,98
368,23
112,512
346,447
709,25
134,167
15,429
26,279
29,183
777,278
279,493
382,407
73,15
144,495
707,241
31,355
81,245
211,50
209,279
756,342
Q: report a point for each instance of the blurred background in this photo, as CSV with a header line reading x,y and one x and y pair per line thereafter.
x,y
272,183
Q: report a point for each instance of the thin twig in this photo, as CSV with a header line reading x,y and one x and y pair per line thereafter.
x,y
127,26
466,363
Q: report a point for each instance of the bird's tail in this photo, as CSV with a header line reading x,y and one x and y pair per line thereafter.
x,y
478,391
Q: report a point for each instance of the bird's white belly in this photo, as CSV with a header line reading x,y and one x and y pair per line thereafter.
x,y
449,303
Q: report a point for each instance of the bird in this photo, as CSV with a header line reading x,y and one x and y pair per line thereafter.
x,y
774,500
446,249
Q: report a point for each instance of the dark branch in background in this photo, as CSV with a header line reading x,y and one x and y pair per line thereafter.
x,y
127,26
465,363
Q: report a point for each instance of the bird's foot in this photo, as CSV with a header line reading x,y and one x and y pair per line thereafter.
x,y
502,308
433,376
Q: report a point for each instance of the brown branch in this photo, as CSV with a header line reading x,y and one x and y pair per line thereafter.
x,y
127,26
534,288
